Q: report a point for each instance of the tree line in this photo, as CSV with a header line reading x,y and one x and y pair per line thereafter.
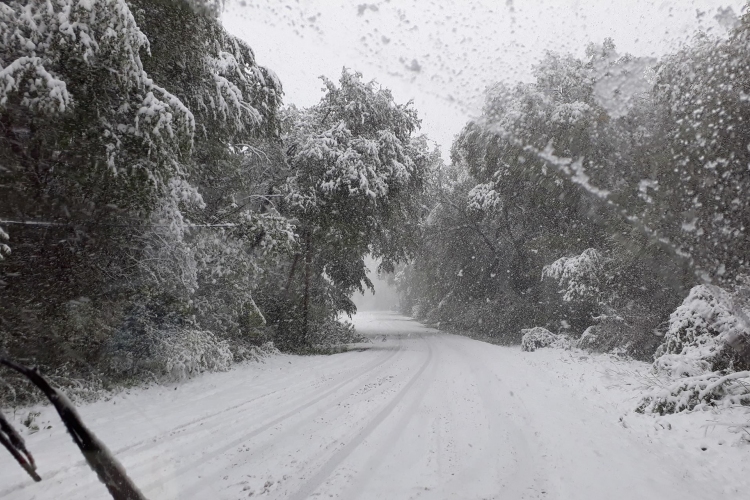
x,y
163,213
591,200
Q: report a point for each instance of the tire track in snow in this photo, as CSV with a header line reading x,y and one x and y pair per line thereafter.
x,y
152,442
181,471
294,429
325,471
385,447
528,476
285,388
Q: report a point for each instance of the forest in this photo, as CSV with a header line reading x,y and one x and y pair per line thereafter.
x,y
164,212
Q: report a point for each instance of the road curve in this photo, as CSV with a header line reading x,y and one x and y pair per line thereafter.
x,y
414,414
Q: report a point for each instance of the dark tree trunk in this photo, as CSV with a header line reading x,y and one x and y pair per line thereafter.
x,y
285,317
306,298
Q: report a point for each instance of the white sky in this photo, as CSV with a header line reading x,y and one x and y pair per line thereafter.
x,y
443,54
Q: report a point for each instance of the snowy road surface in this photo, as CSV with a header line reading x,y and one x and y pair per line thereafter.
x,y
415,414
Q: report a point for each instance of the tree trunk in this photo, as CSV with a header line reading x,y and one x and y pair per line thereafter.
x,y
306,299
282,334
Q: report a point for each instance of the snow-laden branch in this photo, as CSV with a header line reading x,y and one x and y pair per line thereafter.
x,y
579,275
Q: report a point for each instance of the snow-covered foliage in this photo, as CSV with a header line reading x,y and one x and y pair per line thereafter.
x,y
4,248
696,392
155,203
171,354
483,197
336,333
355,182
608,334
182,355
578,276
361,152
589,339
538,337
695,342
44,44
620,155
699,366
256,354
167,260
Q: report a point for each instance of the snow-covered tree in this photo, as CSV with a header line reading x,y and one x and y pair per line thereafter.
x,y
139,143
236,162
355,180
90,146
577,276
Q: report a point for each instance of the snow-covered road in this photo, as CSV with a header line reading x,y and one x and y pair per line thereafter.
x,y
415,414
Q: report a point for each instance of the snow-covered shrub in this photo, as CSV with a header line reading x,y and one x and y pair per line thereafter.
x,y
184,354
169,354
417,311
607,334
256,353
332,333
432,316
695,340
695,352
538,337
589,339
688,393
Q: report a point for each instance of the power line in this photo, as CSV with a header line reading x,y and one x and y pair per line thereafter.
x,y
71,224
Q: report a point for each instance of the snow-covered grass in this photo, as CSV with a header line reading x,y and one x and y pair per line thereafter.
x,y
713,442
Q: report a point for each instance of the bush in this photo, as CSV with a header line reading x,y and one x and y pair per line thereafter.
x,y
255,353
417,311
335,333
695,352
602,337
171,355
538,337
633,335
611,333
500,320
691,392
695,342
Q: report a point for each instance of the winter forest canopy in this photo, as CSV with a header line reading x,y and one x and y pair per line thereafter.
x,y
164,212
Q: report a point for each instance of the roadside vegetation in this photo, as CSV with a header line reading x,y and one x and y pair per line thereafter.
x,y
605,204
164,213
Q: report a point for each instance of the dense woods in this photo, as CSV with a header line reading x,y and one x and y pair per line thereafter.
x,y
590,203
164,213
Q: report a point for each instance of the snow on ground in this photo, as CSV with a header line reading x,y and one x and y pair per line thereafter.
x,y
415,414
711,445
